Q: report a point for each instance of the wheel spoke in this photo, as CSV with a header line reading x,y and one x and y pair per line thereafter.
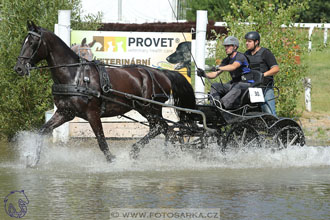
x,y
287,137
243,137
281,143
293,140
250,142
236,139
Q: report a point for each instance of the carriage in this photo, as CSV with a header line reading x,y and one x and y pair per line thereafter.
x,y
89,90
242,128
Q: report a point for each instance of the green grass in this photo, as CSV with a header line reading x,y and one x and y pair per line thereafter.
x,y
319,73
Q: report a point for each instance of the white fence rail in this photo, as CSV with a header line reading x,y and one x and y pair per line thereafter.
x,y
310,26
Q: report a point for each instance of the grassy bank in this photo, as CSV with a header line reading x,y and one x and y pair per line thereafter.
x,y
316,124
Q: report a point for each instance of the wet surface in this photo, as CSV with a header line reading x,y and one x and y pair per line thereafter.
x,y
73,180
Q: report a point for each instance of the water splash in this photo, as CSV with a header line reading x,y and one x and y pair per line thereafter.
x,y
29,145
84,155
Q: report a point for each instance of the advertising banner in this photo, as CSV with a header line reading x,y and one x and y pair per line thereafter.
x,y
155,49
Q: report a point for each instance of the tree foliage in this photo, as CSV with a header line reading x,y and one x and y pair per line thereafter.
x,y
24,100
317,11
216,8
266,17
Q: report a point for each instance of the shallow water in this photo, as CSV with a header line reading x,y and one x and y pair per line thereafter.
x,y
73,181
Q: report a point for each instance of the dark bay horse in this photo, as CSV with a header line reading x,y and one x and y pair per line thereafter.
x,y
68,71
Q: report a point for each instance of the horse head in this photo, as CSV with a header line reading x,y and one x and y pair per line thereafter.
x,y
84,50
32,51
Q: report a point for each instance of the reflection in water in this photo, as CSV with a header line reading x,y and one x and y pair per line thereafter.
x,y
75,182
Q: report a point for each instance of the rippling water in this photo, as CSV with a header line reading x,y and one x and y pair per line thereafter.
x,y
73,181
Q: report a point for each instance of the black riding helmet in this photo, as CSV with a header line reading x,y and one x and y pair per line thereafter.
x,y
252,35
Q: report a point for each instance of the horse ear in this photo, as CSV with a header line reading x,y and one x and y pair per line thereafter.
x,y
28,24
34,26
31,26
83,42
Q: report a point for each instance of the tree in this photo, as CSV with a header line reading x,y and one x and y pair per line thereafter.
x,y
317,12
24,100
216,9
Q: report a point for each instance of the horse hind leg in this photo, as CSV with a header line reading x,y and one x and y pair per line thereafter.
x,y
156,127
96,125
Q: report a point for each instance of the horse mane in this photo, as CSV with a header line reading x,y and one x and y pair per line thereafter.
x,y
53,35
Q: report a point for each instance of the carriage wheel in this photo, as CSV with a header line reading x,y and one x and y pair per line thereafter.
x,y
185,141
289,136
242,136
193,142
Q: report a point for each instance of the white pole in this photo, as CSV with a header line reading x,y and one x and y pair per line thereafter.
x,y
64,26
310,38
201,26
120,10
325,36
308,101
63,30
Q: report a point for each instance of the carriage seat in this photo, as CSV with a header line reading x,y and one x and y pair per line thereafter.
x,y
254,77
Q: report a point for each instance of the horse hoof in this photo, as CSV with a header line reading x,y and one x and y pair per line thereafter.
x,y
31,162
134,154
110,158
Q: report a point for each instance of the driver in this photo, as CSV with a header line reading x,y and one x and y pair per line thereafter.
x,y
263,60
237,64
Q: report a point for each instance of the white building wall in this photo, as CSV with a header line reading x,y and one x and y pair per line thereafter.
x,y
131,11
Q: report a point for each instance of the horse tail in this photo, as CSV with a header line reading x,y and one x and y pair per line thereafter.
x,y
182,92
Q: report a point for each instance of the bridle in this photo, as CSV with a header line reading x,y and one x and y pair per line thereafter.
x,y
29,59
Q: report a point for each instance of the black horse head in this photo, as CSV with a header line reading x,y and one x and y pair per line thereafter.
x,y
31,50
181,57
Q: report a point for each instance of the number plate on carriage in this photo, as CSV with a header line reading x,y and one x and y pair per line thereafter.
x,y
256,95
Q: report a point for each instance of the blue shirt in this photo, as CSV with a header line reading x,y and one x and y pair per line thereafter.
x,y
243,69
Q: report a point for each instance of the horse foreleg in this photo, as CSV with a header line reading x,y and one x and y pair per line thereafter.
x,y
96,125
56,120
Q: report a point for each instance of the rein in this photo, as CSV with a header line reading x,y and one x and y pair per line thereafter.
x,y
71,65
